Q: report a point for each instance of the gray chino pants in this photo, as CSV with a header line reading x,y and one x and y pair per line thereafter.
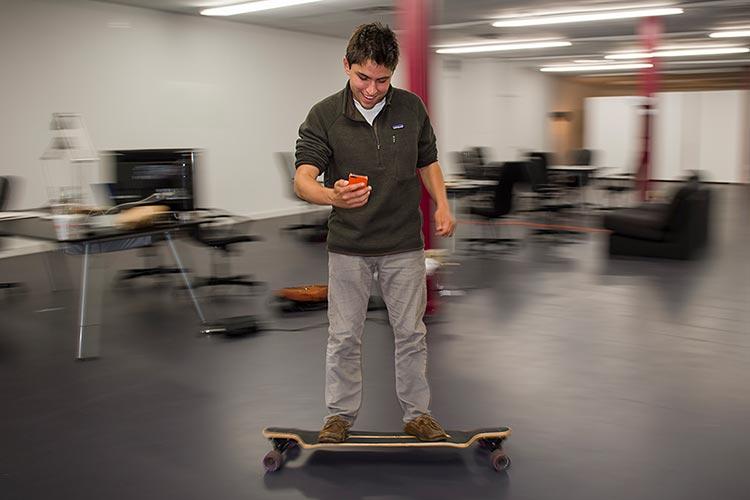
x,y
402,281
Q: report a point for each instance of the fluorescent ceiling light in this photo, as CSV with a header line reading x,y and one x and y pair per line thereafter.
x,y
244,8
495,42
618,54
581,10
586,17
709,61
594,67
679,53
497,47
684,46
729,34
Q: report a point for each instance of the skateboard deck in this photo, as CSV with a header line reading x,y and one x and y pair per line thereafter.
x,y
285,439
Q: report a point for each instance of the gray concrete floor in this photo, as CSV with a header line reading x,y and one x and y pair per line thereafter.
x,y
620,378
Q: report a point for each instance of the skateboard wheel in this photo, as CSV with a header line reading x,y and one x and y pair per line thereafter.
x,y
272,461
499,460
490,444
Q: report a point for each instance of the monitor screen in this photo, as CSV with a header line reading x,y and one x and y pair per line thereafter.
x,y
140,173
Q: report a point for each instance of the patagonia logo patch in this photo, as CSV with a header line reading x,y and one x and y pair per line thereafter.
x,y
397,126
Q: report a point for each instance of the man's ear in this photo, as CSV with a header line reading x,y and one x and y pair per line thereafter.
x,y
347,68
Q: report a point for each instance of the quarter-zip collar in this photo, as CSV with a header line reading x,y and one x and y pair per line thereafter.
x,y
350,111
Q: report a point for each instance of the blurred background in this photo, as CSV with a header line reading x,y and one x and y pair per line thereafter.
x,y
596,296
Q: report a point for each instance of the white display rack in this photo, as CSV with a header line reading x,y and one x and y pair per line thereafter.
x,y
70,140
71,146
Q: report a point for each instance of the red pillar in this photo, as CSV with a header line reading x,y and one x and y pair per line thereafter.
x,y
650,31
414,25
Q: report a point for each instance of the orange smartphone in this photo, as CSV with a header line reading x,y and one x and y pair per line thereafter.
x,y
358,179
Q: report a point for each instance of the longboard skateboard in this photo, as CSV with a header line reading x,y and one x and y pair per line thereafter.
x,y
285,440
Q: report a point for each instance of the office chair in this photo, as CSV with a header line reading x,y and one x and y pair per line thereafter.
x,y
4,196
153,268
544,187
579,181
481,155
314,231
581,157
140,173
219,234
502,204
547,194
469,164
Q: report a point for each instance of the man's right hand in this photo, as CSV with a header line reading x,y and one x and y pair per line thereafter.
x,y
347,195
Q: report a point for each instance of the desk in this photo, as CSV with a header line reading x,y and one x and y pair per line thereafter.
x,y
580,170
96,241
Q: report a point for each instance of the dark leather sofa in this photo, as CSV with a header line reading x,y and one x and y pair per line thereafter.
x,y
675,230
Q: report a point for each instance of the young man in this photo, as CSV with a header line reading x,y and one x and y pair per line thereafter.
x,y
384,133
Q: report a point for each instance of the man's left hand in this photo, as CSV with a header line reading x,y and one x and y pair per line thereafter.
x,y
444,222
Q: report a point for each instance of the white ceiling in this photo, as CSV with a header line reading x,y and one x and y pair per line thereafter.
x,y
462,21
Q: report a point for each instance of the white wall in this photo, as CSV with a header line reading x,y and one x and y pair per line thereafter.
x,y
148,79
612,129
705,131
722,134
671,148
484,102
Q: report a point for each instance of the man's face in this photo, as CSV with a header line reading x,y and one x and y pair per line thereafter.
x,y
369,82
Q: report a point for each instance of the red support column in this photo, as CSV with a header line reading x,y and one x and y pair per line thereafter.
x,y
650,31
414,26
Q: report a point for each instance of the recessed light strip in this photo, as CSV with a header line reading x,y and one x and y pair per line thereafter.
x,y
593,67
729,34
679,53
498,47
244,8
728,62
496,42
587,17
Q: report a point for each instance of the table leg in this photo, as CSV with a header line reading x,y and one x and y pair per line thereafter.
x,y
185,277
89,324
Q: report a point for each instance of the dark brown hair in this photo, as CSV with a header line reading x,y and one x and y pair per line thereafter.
x,y
373,42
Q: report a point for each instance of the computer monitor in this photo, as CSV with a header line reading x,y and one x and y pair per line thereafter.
x,y
140,173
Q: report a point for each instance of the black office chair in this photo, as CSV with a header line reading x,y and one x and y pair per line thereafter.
x,y
501,206
545,189
315,231
469,163
579,180
481,155
5,189
581,157
544,157
149,253
548,195
220,234
140,173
